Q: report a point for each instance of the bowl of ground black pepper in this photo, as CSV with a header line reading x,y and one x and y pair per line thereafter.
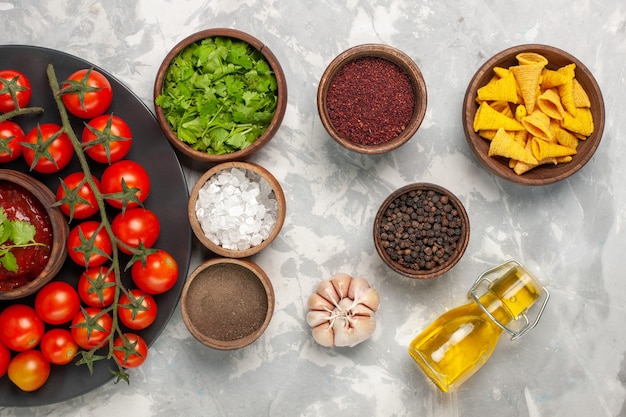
x,y
372,98
227,303
421,230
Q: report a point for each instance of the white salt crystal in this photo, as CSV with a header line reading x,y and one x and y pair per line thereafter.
x,y
236,209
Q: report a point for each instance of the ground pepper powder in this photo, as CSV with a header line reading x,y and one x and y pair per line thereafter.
x,y
227,302
421,230
370,101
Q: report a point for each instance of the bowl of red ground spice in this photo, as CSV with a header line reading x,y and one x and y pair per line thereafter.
x,y
421,230
372,98
227,303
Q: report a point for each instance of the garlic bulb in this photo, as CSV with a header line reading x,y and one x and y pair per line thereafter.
x,y
341,311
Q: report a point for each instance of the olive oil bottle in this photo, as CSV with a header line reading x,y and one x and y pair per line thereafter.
x,y
458,343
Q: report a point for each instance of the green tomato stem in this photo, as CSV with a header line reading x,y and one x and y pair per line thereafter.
x,y
119,287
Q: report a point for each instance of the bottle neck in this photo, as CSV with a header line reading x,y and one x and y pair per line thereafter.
x,y
511,295
494,305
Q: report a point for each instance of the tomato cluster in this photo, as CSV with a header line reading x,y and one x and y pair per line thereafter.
x,y
108,221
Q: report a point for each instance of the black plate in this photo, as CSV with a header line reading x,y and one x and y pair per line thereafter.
x,y
168,199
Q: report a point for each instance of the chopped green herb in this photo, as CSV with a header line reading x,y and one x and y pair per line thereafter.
x,y
14,234
219,95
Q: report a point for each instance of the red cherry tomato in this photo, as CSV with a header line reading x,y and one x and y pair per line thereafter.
x,y
96,286
88,105
11,136
82,202
136,226
11,80
5,358
158,275
107,139
86,250
29,370
127,172
137,311
130,350
20,327
46,149
57,302
58,346
90,327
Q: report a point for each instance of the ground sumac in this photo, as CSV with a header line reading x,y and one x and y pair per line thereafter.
x,y
370,101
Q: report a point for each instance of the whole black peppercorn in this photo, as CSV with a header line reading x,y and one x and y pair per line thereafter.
x,y
421,229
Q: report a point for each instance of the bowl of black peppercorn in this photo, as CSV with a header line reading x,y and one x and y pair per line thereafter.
x,y
421,230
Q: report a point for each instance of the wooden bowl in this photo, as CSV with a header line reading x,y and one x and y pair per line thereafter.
x,y
412,243
406,64
227,303
60,231
274,124
544,174
252,170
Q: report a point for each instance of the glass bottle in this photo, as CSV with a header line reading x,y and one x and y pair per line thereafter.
x,y
458,343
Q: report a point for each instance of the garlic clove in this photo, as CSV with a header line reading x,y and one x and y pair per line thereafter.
x,y
341,282
361,292
324,335
327,290
317,302
370,299
353,331
362,310
316,317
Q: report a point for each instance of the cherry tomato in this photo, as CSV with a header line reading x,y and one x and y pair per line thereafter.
x,y
89,244
90,104
46,149
11,80
136,226
130,350
90,327
132,174
107,139
20,327
58,346
57,302
158,275
5,358
82,202
96,286
11,134
137,311
29,370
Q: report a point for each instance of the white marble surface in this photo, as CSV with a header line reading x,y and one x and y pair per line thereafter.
x,y
570,233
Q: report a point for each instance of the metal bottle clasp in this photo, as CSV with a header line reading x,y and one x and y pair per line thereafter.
x,y
515,334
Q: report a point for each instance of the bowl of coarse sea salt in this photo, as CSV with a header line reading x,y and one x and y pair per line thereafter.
x,y
236,209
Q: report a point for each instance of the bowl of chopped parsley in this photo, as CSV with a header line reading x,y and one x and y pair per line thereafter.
x,y
220,95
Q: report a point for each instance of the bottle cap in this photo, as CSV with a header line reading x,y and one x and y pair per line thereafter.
x,y
517,289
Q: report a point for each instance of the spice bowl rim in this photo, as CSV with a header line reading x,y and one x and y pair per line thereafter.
x,y
547,173
60,231
280,215
218,344
397,57
281,105
460,250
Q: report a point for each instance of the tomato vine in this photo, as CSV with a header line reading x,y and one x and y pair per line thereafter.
x,y
88,357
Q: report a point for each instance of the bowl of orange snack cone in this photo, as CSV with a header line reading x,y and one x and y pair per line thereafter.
x,y
533,114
